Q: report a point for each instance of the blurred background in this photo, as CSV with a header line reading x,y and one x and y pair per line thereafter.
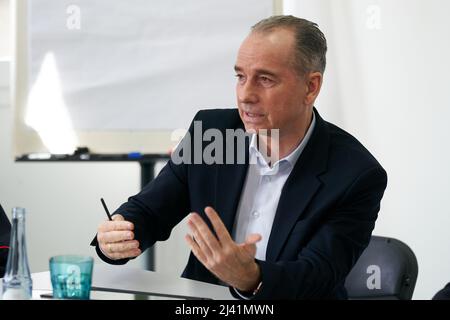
x,y
386,83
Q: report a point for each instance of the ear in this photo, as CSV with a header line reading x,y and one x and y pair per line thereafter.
x,y
313,85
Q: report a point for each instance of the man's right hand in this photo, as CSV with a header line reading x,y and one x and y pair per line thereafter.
x,y
116,239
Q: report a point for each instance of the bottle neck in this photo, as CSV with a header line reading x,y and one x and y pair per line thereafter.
x,y
17,256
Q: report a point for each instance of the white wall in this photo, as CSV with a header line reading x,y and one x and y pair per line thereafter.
x,y
5,45
387,84
63,199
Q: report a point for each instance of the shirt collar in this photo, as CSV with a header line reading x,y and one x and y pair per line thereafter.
x,y
288,160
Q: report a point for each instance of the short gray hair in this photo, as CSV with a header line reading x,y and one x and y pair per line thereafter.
x,y
311,45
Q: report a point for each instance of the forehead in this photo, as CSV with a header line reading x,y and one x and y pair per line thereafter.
x,y
272,49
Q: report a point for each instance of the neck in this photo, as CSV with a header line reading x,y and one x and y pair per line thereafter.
x,y
288,140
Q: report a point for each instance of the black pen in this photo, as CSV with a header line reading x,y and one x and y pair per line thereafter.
x,y
106,209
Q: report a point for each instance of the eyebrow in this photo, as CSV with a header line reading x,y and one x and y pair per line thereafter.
x,y
258,71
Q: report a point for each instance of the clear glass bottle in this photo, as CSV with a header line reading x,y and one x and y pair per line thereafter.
x,y
17,283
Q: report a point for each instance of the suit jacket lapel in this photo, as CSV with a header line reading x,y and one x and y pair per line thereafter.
x,y
230,180
300,187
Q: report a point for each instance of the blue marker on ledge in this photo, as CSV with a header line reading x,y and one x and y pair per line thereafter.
x,y
134,155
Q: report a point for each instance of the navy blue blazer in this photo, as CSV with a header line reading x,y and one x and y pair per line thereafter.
x,y
324,220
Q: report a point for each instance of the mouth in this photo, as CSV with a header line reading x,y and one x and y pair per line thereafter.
x,y
252,117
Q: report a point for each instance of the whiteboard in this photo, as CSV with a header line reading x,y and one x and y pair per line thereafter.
x,y
119,76
4,83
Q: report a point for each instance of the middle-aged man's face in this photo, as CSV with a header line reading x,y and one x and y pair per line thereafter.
x,y
270,93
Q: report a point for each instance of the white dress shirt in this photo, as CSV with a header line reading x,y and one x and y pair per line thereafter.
x,y
261,193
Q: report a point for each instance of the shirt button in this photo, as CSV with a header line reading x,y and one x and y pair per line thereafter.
x,y
255,214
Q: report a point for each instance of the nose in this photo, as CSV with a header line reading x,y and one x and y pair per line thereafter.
x,y
246,92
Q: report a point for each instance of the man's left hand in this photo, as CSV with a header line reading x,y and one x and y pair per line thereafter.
x,y
231,262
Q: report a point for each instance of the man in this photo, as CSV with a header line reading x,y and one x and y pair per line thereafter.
x,y
286,229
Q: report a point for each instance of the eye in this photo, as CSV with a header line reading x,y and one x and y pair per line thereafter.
x,y
266,81
240,77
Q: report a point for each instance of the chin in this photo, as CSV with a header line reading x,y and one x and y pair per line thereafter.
x,y
250,128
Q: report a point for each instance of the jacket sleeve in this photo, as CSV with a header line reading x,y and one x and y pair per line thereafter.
x,y
160,205
324,263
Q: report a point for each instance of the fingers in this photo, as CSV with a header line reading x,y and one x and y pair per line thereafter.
x,y
115,231
202,235
250,243
196,249
115,236
207,242
250,248
125,249
122,247
228,261
219,227
118,217
253,238
118,224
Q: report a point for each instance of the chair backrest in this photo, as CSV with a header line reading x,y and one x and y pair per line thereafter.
x,y
387,269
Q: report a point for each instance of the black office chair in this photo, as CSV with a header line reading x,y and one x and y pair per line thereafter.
x,y
387,269
443,294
